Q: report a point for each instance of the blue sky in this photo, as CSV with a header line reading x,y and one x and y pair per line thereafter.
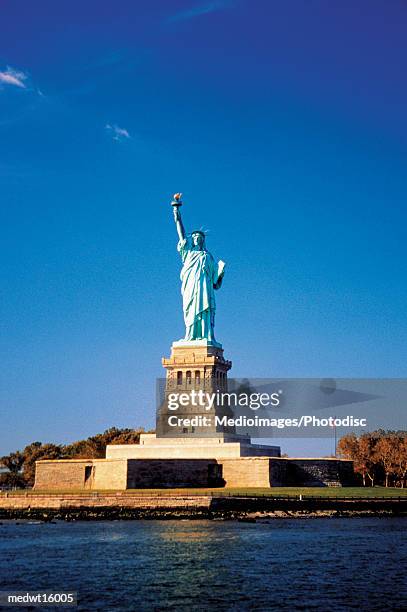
x,y
284,125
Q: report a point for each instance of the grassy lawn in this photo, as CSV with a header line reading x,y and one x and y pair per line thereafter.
x,y
286,491
368,492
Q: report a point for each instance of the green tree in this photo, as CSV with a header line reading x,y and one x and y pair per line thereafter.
x,y
21,465
386,454
361,450
13,477
13,462
34,452
402,461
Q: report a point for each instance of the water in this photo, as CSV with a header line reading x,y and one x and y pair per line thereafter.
x,y
303,564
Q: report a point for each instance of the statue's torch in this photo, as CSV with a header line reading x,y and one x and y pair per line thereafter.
x,y
176,200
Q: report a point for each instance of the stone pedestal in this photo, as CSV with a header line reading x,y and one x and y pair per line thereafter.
x,y
197,365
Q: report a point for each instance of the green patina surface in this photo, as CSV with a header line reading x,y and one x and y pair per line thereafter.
x,y
200,277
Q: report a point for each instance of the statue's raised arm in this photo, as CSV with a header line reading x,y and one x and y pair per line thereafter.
x,y
176,203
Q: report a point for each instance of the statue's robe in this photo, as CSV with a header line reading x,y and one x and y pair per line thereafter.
x,y
199,275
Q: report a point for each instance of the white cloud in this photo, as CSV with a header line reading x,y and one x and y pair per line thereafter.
x,y
13,77
116,132
203,9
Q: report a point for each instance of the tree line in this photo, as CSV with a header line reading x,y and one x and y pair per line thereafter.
x,y
379,457
21,464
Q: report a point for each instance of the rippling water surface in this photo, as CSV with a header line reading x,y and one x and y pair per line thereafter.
x,y
310,564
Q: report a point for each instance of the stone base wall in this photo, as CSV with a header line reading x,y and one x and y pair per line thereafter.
x,y
61,474
121,474
158,473
319,472
81,474
109,474
278,473
240,472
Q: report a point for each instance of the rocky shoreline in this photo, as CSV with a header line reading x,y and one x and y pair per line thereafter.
x,y
114,514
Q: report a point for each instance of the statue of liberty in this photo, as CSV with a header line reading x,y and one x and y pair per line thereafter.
x,y
200,277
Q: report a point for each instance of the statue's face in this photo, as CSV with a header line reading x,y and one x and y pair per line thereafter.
x,y
198,240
